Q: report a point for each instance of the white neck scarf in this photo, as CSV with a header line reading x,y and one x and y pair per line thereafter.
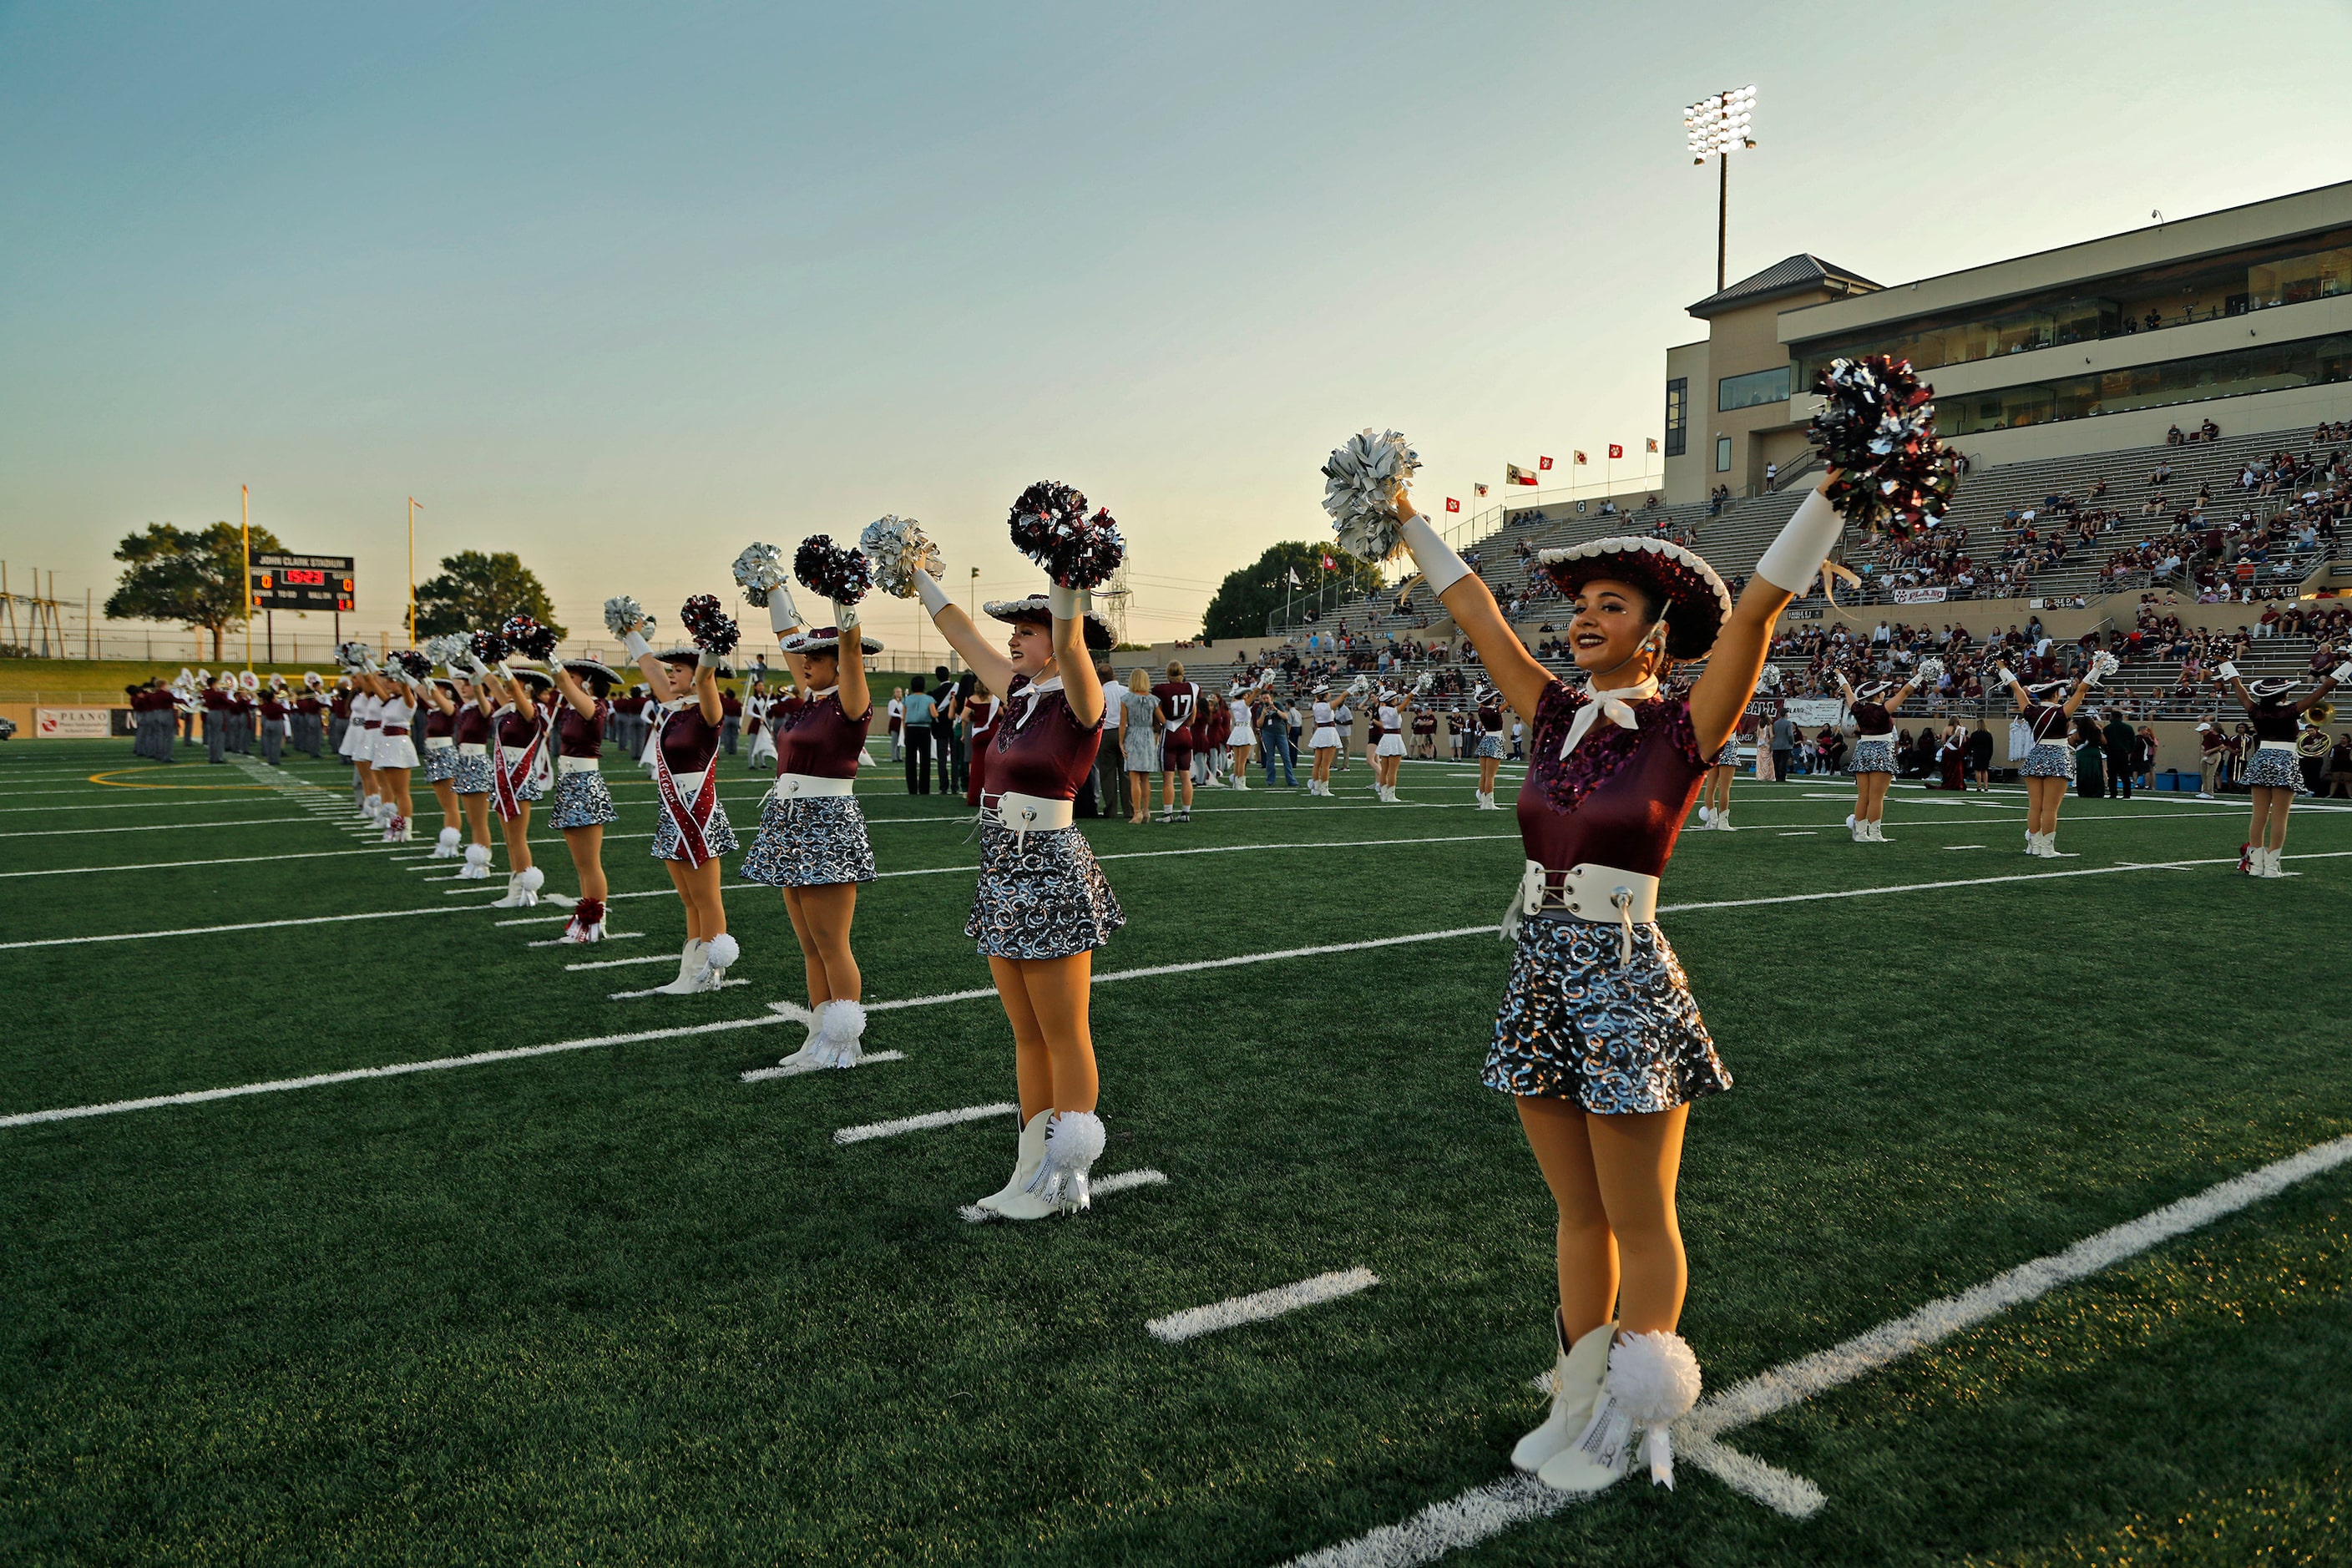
x,y
1029,695
1617,704
821,696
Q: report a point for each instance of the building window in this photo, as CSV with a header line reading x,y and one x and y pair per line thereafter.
x,y
1723,454
2270,367
1677,416
1753,390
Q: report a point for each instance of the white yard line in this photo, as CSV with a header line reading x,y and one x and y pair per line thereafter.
x,y
1194,1322
609,936
153,826
146,805
175,865
1123,1181
923,1124
658,991
612,963
1484,1512
765,1075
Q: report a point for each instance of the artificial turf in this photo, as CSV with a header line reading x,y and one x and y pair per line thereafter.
x,y
614,1305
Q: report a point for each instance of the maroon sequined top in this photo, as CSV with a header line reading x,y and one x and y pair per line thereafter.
x,y
436,721
517,727
578,734
1873,722
817,738
473,725
1048,756
689,741
1619,799
2049,724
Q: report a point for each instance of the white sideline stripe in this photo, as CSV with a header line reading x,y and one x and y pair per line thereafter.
x,y
1484,1512
1950,847
753,1023
763,1075
392,1069
1123,1182
173,864
609,936
657,991
922,1123
137,806
1232,849
153,827
1194,1322
610,963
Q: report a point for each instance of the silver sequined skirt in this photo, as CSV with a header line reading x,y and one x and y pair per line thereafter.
x,y
470,775
1041,895
2048,760
1873,757
2274,770
1619,1041
1489,746
440,764
582,800
717,835
816,841
1727,758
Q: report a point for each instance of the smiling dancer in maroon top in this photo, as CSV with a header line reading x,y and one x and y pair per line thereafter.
x,y
1599,1041
693,831
519,769
583,805
1042,907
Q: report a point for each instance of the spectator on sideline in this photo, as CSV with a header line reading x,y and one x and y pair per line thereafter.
x,y
920,708
2122,748
1110,759
897,721
1784,745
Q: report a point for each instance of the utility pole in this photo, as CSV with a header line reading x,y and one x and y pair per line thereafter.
x,y
245,533
412,570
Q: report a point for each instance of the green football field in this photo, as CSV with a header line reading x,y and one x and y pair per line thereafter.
x,y
348,1220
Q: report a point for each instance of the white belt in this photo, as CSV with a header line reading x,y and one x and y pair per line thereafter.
x,y
1604,895
439,742
2277,746
577,766
689,784
794,786
472,749
1025,814
1887,739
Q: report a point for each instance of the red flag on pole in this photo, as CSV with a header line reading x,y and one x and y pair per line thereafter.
x,y
1480,489
1452,504
1616,449
1515,475
1543,463
1329,565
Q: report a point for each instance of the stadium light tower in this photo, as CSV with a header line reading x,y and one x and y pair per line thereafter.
x,y
1716,127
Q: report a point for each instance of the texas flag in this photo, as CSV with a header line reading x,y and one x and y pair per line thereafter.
x,y
1616,450
1515,475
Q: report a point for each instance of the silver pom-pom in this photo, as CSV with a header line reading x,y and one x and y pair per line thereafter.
x,y
896,549
1360,484
762,571
449,648
619,612
1931,671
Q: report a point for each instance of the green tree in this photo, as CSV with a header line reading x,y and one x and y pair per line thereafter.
x,y
1247,596
194,576
475,591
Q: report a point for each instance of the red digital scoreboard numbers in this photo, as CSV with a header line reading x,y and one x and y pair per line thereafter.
x,y
303,583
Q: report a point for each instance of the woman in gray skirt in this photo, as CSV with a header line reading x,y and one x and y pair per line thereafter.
x,y
1139,742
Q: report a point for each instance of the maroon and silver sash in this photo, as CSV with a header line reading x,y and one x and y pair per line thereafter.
x,y
692,820
505,782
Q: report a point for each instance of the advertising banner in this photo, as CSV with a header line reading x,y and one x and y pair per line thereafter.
x,y
1920,596
72,724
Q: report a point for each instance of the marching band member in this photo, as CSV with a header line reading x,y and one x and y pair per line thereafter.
x,y
2274,775
1874,707
583,805
309,704
274,709
1490,744
1598,1037
1323,739
339,714
813,842
215,701
1343,724
693,831
2048,765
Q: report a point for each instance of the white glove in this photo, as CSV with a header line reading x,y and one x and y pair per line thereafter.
x,y
2008,676
927,588
634,641
1063,602
844,616
1440,566
2227,670
1792,559
782,614
706,659
2342,673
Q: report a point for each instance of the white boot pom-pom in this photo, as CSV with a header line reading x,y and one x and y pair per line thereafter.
x,y
531,880
444,846
1074,1142
723,951
845,1028
477,854
1656,1377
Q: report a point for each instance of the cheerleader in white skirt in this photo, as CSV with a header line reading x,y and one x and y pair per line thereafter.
x,y
1323,740
395,750
1390,753
2048,765
2275,774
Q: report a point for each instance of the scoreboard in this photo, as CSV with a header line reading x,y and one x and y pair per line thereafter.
x,y
303,583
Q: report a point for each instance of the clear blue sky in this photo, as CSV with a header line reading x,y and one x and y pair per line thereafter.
x,y
623,288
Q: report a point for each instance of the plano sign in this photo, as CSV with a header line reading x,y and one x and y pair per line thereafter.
x,y
303,583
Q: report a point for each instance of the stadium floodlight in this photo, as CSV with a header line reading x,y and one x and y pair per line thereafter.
x,y
1715,126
